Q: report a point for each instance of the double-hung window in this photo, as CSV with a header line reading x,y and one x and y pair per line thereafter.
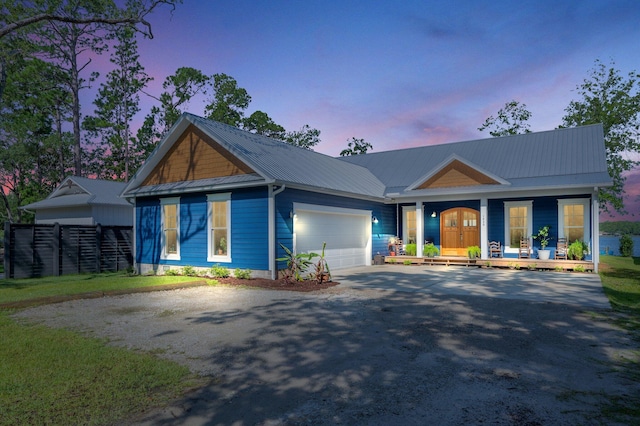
x,y
219,227
518,223
170,218
574,219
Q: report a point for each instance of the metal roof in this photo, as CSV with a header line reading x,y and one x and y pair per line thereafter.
x,y
80,191
275,161
563,157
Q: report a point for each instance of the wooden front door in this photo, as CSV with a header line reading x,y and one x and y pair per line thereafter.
x,y
459,229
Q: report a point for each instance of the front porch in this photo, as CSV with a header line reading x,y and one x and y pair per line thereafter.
x,y
501,262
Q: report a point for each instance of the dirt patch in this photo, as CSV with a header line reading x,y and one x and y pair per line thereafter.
x,y
281,284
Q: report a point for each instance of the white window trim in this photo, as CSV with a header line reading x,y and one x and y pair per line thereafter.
x,y
405,229
212,256
586,203
509,204
163,253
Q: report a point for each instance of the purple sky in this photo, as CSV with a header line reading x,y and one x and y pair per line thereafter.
x,y
396,73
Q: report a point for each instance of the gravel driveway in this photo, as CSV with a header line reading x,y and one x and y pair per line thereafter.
x,y
354,354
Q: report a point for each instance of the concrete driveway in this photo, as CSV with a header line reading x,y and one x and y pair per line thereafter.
x,y
456,346
580,289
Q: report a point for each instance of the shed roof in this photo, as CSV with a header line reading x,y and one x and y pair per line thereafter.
x,y
77,191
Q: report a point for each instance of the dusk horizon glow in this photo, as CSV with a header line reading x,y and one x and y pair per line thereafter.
x,y
397,74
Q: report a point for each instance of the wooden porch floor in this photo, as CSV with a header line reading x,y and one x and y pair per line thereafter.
x,y
496,262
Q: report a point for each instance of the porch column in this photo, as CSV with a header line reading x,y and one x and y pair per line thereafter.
x,y
419,228
484,229
595,230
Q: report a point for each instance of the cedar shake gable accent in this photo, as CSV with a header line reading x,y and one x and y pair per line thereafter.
x,y
195,156
456,173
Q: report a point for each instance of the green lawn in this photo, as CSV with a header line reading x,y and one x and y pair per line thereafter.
x,y
58,377
33,288
621,281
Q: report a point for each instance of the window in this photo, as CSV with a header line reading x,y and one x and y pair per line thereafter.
x,y
219,224
410,228
170,228
518,223
574,219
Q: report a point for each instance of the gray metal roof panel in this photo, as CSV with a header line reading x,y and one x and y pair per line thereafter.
x,y
286,163
562,154
79,191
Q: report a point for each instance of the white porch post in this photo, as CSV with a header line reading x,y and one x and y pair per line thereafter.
x,y
484,229
595,230
419,228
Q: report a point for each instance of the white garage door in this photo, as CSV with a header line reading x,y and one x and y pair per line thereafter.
x,y
347,234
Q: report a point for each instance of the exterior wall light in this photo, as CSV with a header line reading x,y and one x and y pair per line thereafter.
x,y
433,214
374,219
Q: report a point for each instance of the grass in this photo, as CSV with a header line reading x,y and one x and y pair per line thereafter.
x,y
56,377
621,282
33,288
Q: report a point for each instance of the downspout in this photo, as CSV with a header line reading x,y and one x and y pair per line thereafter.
x,y
595,230
272,229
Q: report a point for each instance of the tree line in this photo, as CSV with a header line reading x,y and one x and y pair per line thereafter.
x,y
620,228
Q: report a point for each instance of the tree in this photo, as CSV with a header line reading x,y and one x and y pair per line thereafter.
x,y
229,101
356,147
179,88
116,104
305,138
613,100
34,152
259,122
511,120
61,31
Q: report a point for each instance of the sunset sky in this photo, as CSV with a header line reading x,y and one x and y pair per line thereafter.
x,y
397,73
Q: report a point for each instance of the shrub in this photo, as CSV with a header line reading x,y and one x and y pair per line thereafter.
x,y
430,250
189,271
411,249
220,271
626,245
407,262
531,266
243,274
473,252
577,250
172,272
578,268
392,260
558,268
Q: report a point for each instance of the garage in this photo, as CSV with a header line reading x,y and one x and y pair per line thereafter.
x,y
347,233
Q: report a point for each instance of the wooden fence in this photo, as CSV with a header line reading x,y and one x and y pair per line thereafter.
x,y
46,250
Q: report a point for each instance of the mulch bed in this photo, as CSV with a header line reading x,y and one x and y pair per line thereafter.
x,y
307,285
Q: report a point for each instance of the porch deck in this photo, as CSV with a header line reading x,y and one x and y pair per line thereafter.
x,y
501,262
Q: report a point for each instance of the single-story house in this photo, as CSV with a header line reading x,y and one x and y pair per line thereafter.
x,y
214,194
83,201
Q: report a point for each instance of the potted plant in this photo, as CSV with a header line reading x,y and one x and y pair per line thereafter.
x,y
222,246
391,245
430,250
543,237
577,250
474,252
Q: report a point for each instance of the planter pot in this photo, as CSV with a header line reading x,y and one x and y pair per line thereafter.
x,y
544,254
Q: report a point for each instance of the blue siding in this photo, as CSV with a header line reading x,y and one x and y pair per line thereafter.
x,y
249,230
380,232
545,212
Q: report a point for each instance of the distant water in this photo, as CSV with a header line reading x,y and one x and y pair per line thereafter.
x,y
612,243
